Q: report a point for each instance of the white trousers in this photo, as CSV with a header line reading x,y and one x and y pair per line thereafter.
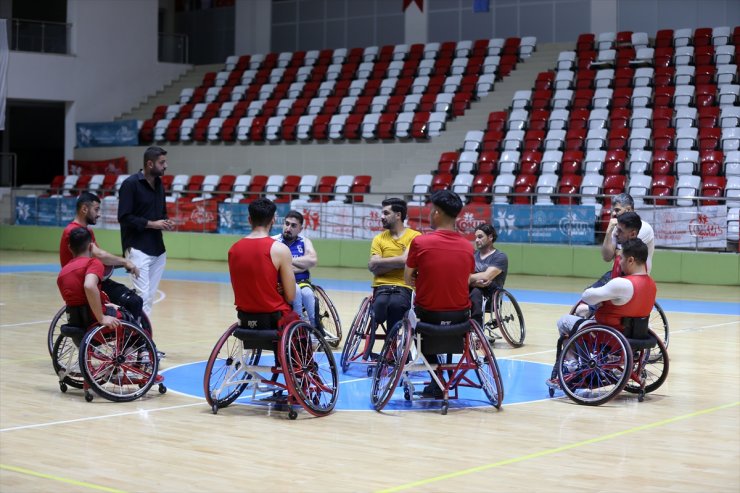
x,y
150,273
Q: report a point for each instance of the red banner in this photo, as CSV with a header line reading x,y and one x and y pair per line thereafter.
x,y
199,216
115,166
471,216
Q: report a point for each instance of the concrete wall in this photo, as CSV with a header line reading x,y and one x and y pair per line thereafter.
x,y
542,260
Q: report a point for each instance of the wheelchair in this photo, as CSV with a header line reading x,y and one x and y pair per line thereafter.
x,y
502,312
327,318
118,364
658,322
302,356
361,338
597,362
402,359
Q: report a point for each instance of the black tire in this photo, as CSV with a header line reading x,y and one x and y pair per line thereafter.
x,y
309,367
659,323
390,364
509,317
655,370
66,361
356,333
225,379
119,364
487,369
594,365
327,318
54,328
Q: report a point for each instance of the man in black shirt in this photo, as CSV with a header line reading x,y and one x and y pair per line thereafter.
x,y
142,213
491,266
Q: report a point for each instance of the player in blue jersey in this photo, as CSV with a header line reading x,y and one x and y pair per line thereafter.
x,y
304,258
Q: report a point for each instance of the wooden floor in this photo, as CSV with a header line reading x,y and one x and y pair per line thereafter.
x,y
684,437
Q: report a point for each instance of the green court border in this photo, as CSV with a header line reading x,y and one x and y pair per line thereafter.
x,y
543,260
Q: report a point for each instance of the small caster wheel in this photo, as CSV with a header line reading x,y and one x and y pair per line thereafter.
x,y
641,396
551,392
407,394
63,387
214,409
369,371
292,414
445,406
162,388
88,396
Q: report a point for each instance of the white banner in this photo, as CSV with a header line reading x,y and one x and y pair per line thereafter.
x,y
355,221
689,227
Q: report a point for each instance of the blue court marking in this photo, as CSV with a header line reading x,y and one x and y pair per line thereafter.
x,y
523,381
522,295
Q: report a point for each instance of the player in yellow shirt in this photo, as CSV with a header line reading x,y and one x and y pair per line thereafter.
x,y
391,294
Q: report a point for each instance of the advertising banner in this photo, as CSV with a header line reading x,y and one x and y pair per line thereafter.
x,y
55,211
108,134
358,221
471,216
115,166
688,227
201,217
544,224
26,210
233,219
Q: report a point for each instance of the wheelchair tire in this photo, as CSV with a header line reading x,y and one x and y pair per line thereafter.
x,y
391,361
488,372
66,360
509,317
224,380
659,323
357,331
309,368
56,324
119,364
655,370
595,365
327,317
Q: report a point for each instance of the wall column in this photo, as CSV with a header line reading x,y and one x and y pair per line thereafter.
x,y
252,26
603,16
416,23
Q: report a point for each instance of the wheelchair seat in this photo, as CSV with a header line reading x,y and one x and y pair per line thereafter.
x,y
73,332
637,332
258,330
442,338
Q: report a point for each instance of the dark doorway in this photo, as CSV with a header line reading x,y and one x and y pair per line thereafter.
x,y
35,133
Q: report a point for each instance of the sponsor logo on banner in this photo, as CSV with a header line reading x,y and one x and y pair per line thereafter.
x,y
689,227
544,224
702,227
467,222
201,216
505,223
372,222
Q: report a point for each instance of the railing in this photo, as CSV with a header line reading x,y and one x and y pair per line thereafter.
x,y
704,228
40,36
173,48
8,169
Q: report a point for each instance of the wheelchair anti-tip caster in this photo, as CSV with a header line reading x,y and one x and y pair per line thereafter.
x,y
445,406
63,387
162,388
214,409
88,396
292,414
641,396
551,392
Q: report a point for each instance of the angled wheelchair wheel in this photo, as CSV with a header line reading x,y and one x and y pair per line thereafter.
x,y
659,323
310,371
66,361
358,329
225,377
390,364
509,317
594,365
56,324
655,369
327,317
487,369
119,364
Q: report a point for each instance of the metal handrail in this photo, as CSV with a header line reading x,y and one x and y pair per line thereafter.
x,y
45,47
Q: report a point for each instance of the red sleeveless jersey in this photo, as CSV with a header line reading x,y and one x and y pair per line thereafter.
x,y
254,277
641,304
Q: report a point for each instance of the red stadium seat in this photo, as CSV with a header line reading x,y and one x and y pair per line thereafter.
x,y
325,187
482,184
569,185
713,186
441,181
663,162
524,184
710,162
571,163
448,162
662,187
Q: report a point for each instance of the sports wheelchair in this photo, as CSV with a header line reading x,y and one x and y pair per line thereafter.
x,y
361,337
597,362
327,318
119,364
402,356
501,311
302,356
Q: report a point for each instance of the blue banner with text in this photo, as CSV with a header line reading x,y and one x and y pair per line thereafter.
x,y
544,224
108,134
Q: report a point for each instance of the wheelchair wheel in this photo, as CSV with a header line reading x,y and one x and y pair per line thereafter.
x,y
119,364
309,368
655,370
225,378
56,324
487,369
594,365
327,317
358,329
390,364
509,317
66,361
659,323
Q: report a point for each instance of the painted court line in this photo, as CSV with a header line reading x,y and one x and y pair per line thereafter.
x,y
544,453
29,472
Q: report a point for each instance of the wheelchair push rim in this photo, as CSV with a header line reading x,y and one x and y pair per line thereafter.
x,y
327,318
357,331
390,364
509,317
66,362
654,370
54,328
487,369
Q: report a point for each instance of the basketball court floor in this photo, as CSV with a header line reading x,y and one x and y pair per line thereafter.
x,y
683,437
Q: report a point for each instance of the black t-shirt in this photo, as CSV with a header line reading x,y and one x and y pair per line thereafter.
x,y
497,259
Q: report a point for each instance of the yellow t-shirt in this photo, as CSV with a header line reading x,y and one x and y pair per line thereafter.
x,y
386,246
